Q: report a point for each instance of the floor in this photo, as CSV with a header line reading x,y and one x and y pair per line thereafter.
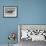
x,y
30,43
7,45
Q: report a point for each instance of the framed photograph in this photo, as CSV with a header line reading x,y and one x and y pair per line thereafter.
x,y
32,32
10,11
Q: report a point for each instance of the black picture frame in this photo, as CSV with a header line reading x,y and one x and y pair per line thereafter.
x,y
10,11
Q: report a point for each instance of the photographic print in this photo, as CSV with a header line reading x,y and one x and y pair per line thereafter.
x,y
10,11
32,32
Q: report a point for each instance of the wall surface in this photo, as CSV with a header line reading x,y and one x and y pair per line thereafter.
x,y
7,25
29,12
32,11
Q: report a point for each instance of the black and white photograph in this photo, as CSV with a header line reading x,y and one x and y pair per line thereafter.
x,y
10,11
